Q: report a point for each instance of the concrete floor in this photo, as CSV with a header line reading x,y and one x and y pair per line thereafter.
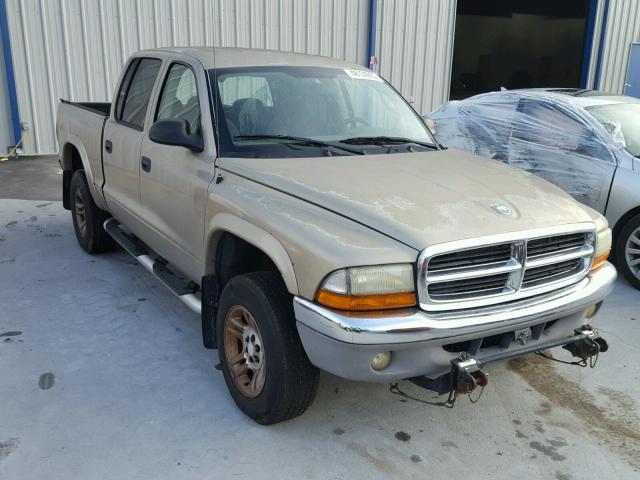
x,y
103,375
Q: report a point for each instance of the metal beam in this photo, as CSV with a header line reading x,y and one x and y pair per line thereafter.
x,y
603,30
588,42
371,50
8,65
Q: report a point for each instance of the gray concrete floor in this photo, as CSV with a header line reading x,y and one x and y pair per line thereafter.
x,y
31,178
103,375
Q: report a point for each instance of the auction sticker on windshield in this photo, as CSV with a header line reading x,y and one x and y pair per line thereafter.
x,y
362,74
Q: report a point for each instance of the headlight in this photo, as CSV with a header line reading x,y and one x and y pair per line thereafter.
x,y
603,246
376,287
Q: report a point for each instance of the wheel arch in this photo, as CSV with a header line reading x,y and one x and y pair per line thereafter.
x,y
73,157
224,225
622,221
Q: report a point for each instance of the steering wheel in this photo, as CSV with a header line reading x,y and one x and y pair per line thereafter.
x,y
353,121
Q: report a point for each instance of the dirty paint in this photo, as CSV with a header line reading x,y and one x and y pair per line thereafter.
x,y
548,450
11,224
376,460
402,436
11,334
615,425
46,381
416,458
42,205
338,431
8,446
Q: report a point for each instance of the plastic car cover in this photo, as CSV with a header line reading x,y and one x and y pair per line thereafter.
x,y
540,132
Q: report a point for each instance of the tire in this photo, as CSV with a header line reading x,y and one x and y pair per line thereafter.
x,y
286,382
627,251
87,217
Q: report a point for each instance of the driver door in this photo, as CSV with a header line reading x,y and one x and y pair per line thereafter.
x,y
173,179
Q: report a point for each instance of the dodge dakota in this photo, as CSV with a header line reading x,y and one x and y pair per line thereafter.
x,y
304,210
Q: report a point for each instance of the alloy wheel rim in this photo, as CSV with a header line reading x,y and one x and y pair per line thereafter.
x,y
632,252
244,352
81,219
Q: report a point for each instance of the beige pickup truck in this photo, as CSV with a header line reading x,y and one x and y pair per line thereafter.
x,y
303,208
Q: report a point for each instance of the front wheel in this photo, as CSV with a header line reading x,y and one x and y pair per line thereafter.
x,y
628,251
264,364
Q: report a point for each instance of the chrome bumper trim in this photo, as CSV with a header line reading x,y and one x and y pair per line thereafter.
x,y
418,325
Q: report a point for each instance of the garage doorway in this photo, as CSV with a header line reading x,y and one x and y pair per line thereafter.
x,y
520,44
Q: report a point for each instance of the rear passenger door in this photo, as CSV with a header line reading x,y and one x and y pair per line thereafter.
x,y
174,180
122,139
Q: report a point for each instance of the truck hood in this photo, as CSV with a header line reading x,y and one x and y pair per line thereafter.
x,y
422,198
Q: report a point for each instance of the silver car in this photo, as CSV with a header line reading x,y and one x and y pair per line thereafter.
x,y
585,142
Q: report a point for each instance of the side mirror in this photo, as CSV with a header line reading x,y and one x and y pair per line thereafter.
x,y
175,132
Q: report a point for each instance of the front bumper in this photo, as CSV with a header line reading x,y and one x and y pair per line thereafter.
x,y
345,344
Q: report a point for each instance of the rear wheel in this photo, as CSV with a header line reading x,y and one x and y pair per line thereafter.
x,y
87,217
628,251
264,364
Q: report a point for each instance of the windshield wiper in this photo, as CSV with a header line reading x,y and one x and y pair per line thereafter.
x,y
299,141
383,141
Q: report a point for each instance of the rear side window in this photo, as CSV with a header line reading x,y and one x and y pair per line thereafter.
x,y
179,98
138,92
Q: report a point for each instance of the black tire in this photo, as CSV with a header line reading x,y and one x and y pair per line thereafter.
x,y
290,380
89,232
632,227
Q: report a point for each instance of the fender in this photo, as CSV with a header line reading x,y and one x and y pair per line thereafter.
x,y
259,238
96,190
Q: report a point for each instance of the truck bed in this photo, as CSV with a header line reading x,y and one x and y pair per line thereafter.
x,y
80,125
101,108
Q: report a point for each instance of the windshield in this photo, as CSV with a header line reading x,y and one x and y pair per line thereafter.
x,y
312,111
622,121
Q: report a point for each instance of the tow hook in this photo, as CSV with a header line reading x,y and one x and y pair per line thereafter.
x,y
467,374
588,347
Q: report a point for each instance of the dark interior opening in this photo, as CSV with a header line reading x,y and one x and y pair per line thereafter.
x,y
517,44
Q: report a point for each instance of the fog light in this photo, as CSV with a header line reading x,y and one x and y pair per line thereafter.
x,y
381,361
591,311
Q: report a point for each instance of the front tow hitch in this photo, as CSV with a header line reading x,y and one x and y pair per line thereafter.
x,y
467,372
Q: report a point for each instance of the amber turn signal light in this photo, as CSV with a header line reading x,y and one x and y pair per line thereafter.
x,y
599,261
365,302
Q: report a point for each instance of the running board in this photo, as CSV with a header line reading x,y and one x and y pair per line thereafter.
x,y
184,289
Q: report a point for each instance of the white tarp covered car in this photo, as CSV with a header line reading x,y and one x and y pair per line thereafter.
x,y
583,141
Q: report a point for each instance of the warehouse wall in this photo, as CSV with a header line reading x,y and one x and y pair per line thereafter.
x,y
623,28
414,46
6,132
74,49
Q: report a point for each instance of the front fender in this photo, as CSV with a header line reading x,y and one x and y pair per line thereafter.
x,y
259,238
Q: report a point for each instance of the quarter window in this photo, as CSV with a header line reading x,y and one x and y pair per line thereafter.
x,y
139,92
179,99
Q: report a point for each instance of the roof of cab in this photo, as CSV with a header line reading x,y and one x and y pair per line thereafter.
x,y
224,57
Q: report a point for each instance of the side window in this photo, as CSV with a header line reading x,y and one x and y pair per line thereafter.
x,y
179,98
126,80
139,92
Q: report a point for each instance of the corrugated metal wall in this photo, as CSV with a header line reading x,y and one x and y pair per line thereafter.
x,y
6,137
623,28
74,49
414,47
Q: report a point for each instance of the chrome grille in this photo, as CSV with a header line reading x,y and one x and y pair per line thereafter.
x,y
476,256
463,275
541,246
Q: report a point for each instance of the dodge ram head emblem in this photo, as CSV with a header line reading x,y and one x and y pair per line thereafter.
x,y
502,209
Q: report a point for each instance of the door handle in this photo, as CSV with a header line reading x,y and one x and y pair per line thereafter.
x,y
146,164
108,146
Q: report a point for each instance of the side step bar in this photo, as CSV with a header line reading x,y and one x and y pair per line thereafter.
x,y
184,289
